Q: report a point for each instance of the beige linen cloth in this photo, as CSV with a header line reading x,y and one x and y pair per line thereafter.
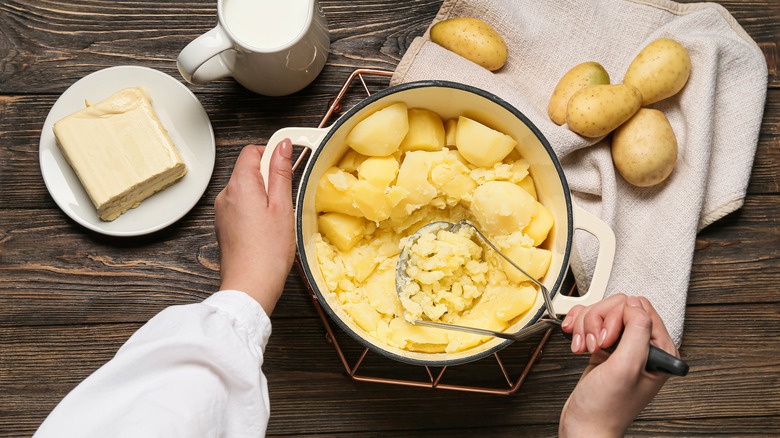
x,y
716,119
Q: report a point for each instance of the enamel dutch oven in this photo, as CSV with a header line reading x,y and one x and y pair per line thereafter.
x,y
450,100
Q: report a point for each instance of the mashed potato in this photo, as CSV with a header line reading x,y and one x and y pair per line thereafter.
x,y
367,206
446,272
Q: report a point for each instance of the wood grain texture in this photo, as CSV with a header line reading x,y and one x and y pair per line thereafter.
x,y
69,298
44,363
74,38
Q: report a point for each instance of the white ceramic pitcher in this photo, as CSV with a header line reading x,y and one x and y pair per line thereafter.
x,y
271,47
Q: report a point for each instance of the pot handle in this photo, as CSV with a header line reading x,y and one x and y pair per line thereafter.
x,y
307,137
583,220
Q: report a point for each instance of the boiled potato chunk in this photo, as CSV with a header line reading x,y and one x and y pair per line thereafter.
x,y
479,317
528,185
502,207
507,302
343,231
380,171
376,288
334,192
534,261
540,225
579,77
472,39
365,316
644,149
381,133
351,160
426,131
451,178
449,132
480,145
404,333
362,260
413,177
597,110
372,200
660,70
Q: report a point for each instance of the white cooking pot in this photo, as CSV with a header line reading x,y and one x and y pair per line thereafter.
x,y
449,100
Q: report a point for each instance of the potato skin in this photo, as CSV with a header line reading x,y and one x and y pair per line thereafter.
x,y
472,39
597,110
644,149
660,70
579,77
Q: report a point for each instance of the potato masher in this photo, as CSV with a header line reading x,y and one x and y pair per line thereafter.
x,y
657,359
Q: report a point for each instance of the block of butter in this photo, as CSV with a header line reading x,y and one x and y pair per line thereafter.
x,y
120,151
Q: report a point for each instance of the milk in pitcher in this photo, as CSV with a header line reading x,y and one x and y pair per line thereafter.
x,y
266,24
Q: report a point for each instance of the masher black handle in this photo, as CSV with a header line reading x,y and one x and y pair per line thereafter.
x,y
657,360
661,361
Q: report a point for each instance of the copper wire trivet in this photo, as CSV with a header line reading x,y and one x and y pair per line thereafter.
x,y
507,383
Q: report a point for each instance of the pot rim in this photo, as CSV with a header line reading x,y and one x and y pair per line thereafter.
x,y
307,269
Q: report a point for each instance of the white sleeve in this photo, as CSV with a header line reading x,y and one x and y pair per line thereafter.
x,y
191,371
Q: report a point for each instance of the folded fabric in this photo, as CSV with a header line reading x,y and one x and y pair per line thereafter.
x,y
716,119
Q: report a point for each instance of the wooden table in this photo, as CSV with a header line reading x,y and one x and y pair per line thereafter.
x,y
70,297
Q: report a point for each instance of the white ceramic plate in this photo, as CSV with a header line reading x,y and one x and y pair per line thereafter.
x,y
187,124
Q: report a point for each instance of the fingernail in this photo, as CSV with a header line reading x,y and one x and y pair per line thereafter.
x,y
566,322
602,337
576,343
285,148
590,340
633,302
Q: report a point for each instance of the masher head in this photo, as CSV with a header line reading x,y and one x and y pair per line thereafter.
x,y
402,278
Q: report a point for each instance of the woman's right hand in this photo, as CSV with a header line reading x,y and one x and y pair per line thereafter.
x,y
615,387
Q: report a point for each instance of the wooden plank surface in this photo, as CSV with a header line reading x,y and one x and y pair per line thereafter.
x,y
69,297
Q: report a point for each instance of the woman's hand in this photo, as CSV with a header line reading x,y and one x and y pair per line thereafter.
x,y
614,388
255,227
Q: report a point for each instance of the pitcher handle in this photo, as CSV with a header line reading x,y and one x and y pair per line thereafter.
x,y
199,62
583,220
307,137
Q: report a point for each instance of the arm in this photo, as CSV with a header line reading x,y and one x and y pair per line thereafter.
x,y
191,369
194,370
615,388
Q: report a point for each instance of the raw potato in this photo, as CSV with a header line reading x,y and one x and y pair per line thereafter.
x,y
480,145
644,149
597,110
579,77
472,39
660,70
381,133
426,131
